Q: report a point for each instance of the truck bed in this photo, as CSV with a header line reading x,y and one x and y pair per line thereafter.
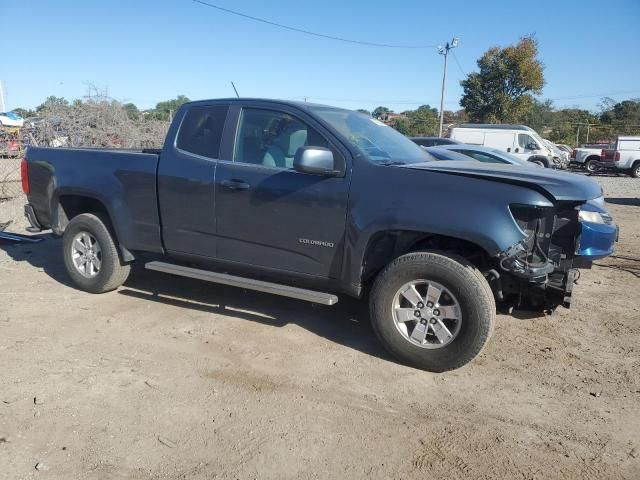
x,y
123,181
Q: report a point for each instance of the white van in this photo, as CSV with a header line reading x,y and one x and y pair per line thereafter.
x,y
518,140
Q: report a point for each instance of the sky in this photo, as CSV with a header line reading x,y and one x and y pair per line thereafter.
x,y
146,51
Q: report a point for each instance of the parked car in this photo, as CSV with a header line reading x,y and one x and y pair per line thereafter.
x,y
486,155
440,153
432,141
559,156
311,202
624,156
519,140
11,119
588,156
564,148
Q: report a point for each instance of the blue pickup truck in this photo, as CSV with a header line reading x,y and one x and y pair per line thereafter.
x,y
312,202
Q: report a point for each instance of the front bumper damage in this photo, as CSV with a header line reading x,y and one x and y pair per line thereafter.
x,y
539,272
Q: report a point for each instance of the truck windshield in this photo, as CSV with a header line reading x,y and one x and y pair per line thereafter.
x,y
379,142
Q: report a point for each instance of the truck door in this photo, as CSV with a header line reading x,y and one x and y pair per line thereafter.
x,y
271,216
526,146
186,181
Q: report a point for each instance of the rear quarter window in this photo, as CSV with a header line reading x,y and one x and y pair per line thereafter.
x,y
201,130
629,145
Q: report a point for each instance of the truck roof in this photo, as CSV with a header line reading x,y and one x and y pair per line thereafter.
x,y
294,103
628,138
495,126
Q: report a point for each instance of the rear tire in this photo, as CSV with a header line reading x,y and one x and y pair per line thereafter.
x,y
635,170
466,295
591,166
91,255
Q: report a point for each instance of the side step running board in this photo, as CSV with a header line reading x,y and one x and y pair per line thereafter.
x,y
248,283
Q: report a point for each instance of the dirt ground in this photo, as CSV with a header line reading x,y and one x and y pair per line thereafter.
x,y
171,378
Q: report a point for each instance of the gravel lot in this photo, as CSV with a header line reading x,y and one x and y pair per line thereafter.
x,y
176,379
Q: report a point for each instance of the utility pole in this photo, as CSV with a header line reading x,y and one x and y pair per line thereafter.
x,y
445,51
2,105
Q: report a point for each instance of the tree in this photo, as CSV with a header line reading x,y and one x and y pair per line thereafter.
x,y
53,102
164,110
420,122
540,115
625,112
132,111
362,110
502,90
23,112
381,113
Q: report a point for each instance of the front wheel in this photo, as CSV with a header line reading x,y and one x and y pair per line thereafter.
x,y
432,310
539,163
91,256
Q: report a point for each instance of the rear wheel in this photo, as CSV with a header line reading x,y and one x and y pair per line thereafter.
x,y
432,310
91,256
591,166
635,170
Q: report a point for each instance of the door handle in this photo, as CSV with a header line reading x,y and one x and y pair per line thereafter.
x,y
235,184
517,150
508,149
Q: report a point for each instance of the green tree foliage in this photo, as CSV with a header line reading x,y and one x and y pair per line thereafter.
x,y
24,113
168,108
575,126
132,111
52,103
380,113
501,92
420,122
625,113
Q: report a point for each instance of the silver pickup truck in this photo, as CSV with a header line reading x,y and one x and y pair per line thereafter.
x,y
588,156
624,155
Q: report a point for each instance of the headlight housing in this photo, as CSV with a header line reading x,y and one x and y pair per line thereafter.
x,y
594,212
590,217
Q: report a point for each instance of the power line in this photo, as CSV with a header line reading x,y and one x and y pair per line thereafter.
x,y
307,32
594,95
458,63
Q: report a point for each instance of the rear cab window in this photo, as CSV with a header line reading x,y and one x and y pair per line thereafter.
x,y
201,130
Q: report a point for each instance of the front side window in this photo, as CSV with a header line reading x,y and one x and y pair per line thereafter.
x,y
527,142
271,139
201,130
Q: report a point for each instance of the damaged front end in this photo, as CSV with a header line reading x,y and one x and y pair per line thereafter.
x,y
539,272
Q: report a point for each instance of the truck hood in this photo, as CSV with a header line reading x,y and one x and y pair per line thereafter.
x,y
562,186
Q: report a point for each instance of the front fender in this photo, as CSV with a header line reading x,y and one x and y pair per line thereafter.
x,y
471,209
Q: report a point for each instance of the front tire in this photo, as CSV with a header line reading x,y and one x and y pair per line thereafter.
x,y
91,255
540,163
432,310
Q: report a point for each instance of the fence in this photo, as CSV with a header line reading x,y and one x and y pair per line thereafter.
x,y
10,183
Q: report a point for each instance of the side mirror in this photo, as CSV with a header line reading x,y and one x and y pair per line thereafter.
x,y
315,160
532,146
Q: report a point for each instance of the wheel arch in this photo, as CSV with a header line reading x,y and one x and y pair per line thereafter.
x,y
539,158
386,245
69,205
